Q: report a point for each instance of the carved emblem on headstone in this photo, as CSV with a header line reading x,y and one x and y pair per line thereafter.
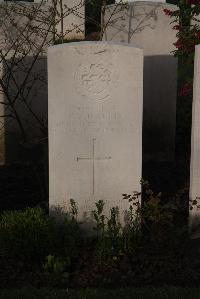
x,y
94,80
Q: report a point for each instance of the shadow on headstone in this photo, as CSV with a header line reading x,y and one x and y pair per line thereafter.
x,y
26,94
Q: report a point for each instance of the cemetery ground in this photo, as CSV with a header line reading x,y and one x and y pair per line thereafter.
x,y
51,258
125,293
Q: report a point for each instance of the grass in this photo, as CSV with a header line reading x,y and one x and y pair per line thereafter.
x,y
123,293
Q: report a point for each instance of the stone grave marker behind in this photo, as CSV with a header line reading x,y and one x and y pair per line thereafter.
x,y
73,21
35,88
145,24
23,70
195,149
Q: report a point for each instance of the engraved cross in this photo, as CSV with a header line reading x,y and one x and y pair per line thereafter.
x,y
93,159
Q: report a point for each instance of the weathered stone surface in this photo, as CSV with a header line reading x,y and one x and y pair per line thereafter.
x,y
95,123
195,151
144,24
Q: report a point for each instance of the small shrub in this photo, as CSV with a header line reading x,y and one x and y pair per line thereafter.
x,y
25,235
108,233
57,270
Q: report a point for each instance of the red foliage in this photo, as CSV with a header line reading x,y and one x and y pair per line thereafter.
x,y
193,2
185,89
168,12
188,36
178,44
176,27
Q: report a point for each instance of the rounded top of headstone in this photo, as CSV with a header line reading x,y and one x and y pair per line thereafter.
x,y
95,65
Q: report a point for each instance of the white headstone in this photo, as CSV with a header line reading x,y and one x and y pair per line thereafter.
x,y
73,19
195,150
95,123
145,24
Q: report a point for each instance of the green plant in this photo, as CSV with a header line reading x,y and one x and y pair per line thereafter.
x,y
100,229
25,235
74,210
109,233
157,216
57,269
114,232
132,219
99,217
56,265
151,219
28,237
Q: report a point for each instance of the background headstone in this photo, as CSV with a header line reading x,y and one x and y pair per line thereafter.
x,y
95,123
23,70
145,24
195,150
74,19
15,66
